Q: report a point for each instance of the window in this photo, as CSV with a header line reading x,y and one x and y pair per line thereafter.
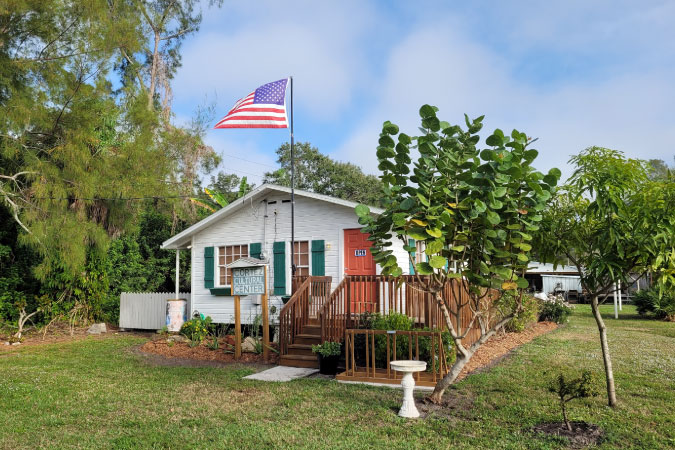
x,y
419,254
228,255
301,256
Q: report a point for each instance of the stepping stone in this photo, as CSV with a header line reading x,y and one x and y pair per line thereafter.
x,y
282,373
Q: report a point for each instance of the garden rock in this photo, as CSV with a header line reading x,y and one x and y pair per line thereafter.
x,y
177,338
97,328
248,345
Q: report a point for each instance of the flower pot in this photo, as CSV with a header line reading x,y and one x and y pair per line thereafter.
x,y
328,365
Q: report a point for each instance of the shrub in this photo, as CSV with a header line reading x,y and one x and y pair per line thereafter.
x,y
213,345
554,310
527,316
401,322
327,349
569,389
196,329
660,303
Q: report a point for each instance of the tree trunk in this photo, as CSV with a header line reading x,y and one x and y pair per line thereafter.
x,y
609,373
565,419
450,378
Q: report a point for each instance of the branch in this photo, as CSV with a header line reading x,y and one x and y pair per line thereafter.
x,y
175,35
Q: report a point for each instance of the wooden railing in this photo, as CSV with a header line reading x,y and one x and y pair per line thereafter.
x,y
335,315
356,295
368,355
303,306
297,281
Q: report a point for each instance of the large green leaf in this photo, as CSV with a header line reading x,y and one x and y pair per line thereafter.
x,y
427,111
493,217
424,268
362,210
437,262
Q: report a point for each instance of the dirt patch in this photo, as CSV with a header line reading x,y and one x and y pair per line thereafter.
x,y
456,404
184,355
582,435
499,347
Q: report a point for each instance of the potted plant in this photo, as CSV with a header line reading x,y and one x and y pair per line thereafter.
x,y
329,356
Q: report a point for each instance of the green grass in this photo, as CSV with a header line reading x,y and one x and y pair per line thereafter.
x,y
97,394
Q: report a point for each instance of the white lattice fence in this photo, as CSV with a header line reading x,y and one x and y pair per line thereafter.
x,y
146,310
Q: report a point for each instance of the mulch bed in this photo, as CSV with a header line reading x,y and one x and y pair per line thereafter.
x,y
499,346
582,435
182,350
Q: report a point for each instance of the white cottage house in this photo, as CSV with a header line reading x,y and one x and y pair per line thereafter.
x,y
328,242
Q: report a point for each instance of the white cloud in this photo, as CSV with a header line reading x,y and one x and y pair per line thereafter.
x,y
318,43
630,112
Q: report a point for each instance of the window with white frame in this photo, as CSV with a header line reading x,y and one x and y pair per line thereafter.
x,y
420,256
301,256
227,255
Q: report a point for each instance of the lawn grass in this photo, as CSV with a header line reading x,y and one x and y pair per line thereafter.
x,y
98,394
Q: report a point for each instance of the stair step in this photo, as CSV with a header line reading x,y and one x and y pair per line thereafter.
x,y
300,349
299,361
312,329
307,339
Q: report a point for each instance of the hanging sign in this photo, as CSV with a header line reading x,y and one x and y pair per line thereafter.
x,y
248,281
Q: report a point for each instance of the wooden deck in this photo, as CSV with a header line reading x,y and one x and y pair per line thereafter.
x,y
385,376
314,314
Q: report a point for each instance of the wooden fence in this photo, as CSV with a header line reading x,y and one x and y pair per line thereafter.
x,y
368,355
146,310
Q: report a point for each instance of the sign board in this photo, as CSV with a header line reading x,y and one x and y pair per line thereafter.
x,y
360,252
248,280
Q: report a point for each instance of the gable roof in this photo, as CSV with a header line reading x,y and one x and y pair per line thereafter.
x,y
183,239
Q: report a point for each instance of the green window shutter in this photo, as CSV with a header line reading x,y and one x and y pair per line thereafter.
x,y
279,250
208,267
318,258
411,243
255,250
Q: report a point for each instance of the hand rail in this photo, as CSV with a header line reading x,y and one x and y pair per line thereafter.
x,y
334,315
303,305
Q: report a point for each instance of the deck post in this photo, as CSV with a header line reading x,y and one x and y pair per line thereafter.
x,y
237,327
265,322
177,272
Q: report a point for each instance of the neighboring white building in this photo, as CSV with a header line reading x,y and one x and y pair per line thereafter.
x,y
328,242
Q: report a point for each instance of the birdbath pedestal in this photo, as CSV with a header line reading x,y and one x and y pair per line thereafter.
x,y
407,367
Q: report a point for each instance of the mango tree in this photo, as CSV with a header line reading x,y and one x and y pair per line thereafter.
x,y
473,212
613,224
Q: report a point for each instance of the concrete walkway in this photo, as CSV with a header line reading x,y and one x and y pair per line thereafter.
x,y
282,373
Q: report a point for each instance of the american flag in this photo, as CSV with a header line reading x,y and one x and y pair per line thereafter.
x,y
263,108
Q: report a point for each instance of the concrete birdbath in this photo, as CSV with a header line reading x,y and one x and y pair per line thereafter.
x,y
407,367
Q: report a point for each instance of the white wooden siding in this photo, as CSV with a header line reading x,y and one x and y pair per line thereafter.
x,y
314,219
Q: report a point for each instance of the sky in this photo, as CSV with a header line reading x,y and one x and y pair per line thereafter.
x,y
571,73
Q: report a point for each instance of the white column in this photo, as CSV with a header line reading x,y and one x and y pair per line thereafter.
x,y
177,271
616,303
620,297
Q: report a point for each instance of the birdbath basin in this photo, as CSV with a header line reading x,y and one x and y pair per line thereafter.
x,y
408,367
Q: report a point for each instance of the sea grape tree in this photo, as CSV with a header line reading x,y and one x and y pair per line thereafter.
x,y
473,211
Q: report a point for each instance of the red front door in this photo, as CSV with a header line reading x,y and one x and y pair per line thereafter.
x,y
359,261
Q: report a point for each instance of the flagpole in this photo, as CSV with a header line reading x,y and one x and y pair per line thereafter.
x,y
292,191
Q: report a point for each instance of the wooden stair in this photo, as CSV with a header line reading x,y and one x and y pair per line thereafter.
x,y
299,323
300,351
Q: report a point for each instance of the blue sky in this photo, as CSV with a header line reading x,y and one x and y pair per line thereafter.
x,y
572,73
